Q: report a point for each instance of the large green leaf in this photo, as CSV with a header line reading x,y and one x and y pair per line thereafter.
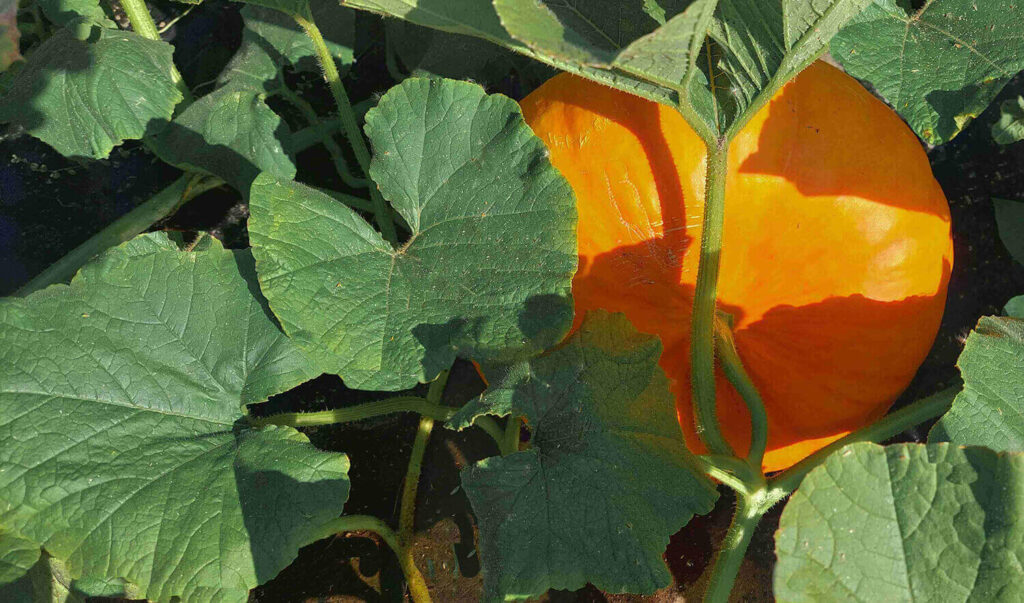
x,y
485,274
83,98
67,12
764,43
1010,224
1010,127
990,410
939,66
17,556
125,452
230,133
906,522
607,479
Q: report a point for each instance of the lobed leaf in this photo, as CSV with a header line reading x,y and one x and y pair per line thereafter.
x,y
486,272
906,522
1010,127
990,410
84,97
607,478
126,454
938,66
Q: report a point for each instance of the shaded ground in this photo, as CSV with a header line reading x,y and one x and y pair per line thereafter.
x,y
48,205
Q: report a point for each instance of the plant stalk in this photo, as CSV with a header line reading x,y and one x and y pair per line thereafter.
x,y
491,428
142,24
729,558
702,337
887,427
358,412
366,523
512,430
733,368
407,517
158,207
348,122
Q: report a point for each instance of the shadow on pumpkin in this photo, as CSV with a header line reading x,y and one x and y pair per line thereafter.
x,y
823,369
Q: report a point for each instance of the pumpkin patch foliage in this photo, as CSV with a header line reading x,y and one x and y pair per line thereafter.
x,y
490,299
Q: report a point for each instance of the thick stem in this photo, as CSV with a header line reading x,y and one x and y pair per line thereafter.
x,y
366,523
733,368
407,517
491,428
702,338
885,428
142,24
348,122
512,430
161,205
734,547
358,412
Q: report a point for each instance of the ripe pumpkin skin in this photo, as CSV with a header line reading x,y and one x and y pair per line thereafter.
x,y
836,245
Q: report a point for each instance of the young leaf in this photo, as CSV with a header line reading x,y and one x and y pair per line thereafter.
x,y
906,522
9,34
1010,223
1010,127
764,44
607,479
123,395
939,66
1015,307
230,133
83,98
485,274
990,410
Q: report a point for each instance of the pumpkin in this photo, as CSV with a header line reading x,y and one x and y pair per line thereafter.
x,y
836,246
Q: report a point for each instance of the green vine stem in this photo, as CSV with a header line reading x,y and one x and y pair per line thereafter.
x,y
887,427
309,114
348,121
702,338
734,546
512,430
733,368
367,410
159,206
407,514
491,428
142,24
366,523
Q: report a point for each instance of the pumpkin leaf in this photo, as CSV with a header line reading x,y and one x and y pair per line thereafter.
x,y
1015,307
938,66
607,479
9,34
66,12
485,274
83,98
230,133
907,522
17,556
123,393
762,45
990,409
1010,127
1010,224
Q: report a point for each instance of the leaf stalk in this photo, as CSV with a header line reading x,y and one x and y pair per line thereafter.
x,y
358,412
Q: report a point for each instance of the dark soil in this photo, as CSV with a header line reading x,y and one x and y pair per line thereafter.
x,y
49,204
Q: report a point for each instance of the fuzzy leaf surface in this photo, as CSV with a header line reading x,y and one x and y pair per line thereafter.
x,y
83,98
126,454
939,66
906,522
607,479
990,409
485,274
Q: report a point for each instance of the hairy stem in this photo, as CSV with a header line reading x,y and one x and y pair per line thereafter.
x,y
733,549
733,368
885,428
348,122
358,412
367,523
702,338
407,516
142,24
158,207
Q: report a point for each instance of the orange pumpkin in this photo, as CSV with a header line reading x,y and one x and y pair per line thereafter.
x,y
836,245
